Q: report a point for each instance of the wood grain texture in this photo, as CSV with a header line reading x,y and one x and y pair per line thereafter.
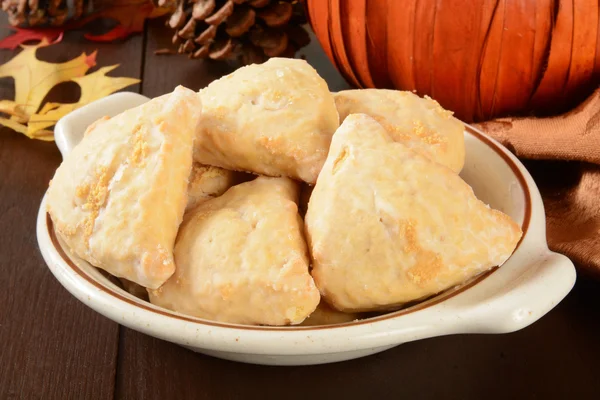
x,y
161,74
554,358
51,345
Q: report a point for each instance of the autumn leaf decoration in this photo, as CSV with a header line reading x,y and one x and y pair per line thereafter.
x,y
34,79
129,16
21,36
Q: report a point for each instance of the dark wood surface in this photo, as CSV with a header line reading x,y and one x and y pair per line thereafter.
x,y
54,347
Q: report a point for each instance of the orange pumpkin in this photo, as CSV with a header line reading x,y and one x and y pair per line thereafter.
x,y
481,59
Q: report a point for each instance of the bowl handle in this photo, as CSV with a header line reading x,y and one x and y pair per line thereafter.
x,y
70,128
518,302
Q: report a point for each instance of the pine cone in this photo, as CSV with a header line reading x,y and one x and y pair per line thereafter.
x,y
43,12
252,30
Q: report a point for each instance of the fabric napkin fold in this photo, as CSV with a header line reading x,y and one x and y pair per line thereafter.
x,y
567,172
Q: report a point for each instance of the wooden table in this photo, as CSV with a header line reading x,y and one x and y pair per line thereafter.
x,y
54,347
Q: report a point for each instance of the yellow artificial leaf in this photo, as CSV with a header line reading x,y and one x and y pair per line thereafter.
x,y
8,107
47,107
13,109
93,87
46,120
97,85
35,78
18,127
14,125
44,134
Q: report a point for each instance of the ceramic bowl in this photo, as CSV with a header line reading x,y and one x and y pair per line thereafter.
x,y
501,300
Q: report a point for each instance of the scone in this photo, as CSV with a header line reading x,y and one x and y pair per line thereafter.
x,y
118,198
386,225
241,258
273,119
420,123
207,182
326,315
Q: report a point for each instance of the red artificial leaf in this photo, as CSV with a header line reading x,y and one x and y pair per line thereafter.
x,y
118,32
130,17
20,36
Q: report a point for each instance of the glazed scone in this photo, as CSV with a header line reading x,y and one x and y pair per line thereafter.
x,y
386,225
242,258
273,119
207,182
326,315
420,123
118,198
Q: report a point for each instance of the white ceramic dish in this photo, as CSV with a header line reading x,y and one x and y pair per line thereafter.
x,y
505,299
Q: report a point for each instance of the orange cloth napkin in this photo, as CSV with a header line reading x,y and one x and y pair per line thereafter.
x,y
568,176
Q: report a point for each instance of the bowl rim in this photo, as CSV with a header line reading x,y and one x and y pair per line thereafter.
x,y
439,298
